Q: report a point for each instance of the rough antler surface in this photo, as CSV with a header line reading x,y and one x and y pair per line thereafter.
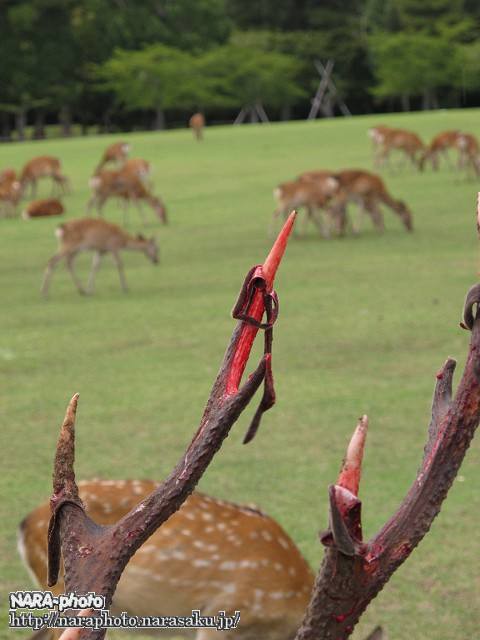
x,y
95,556
353,571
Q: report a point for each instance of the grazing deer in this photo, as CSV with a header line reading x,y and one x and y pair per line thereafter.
x,y
7,176
440,146
196,124
10,194
43,167
138,167
377,135
369,192
210,555
469,149
404,141
116,153
43,209
101,237
311,190
126,186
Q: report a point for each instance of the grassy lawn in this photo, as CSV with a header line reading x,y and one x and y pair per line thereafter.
x,y
365,323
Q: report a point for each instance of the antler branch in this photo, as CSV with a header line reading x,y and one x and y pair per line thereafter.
x,y
94,556
353,572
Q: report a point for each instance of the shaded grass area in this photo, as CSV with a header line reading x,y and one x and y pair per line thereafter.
x,y
365,323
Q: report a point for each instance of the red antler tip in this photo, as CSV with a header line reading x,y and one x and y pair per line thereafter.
x,y
273,259
351,470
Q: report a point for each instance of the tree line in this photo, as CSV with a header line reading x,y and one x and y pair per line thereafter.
x,y
122,64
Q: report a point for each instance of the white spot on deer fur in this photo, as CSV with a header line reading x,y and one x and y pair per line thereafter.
x,y
137,489
266,535
198,544
40,524
189,515
278,566
215,557
207,516
209,529
248,564
124,502
277,595
107,508
283,542
253,535
186,532
231,587
139,570
292,571
211,547
221,526
148,548
259,593
178,555
201,562
228,565
264,562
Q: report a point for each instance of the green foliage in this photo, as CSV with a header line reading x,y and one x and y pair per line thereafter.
x,y
409,64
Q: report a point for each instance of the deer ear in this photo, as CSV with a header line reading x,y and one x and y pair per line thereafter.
x,y
140,236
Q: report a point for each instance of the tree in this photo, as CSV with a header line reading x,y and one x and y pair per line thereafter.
x,y
411,65
155,78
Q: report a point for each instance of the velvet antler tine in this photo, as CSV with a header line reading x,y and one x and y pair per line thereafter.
x,y
274,258
255,308
341,536
351,470
442,399
63,470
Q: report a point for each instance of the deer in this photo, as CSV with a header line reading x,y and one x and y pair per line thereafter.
x,y
377,135
197,124
116,153
368,191
7,176
43,167
128,187
439,146
138,167
311,190
10,194
43,208
101,237
354,570
211,554
469,150
405,141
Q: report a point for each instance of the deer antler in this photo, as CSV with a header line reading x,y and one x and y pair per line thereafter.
x,y
95,556
353,572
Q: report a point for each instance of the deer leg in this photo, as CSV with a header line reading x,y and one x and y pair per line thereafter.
x,y
125,207
141,212
97,259
52,263
121,273
376,215
70,260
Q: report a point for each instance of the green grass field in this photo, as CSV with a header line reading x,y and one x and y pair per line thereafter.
x,y
365,323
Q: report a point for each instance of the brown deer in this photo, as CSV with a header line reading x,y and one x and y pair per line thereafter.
x,y
377,136
7,176
10,194
406,142
43,167
101,237
211,555
312,190
469,149
116,153
353,570
138,167
197,124
368,191
43,209
129,188
440,146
